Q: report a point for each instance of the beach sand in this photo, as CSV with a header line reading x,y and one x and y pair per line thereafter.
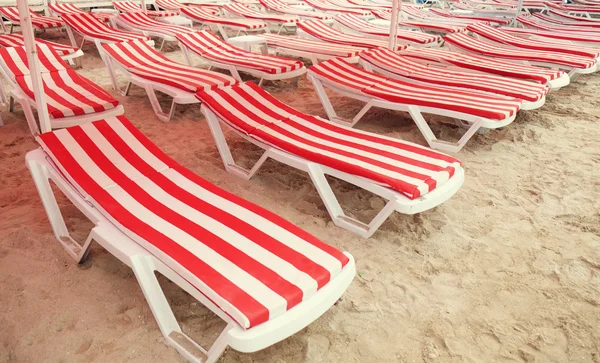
x,y
507,270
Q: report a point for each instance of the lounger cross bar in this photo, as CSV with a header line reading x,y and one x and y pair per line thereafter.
x,y
265,277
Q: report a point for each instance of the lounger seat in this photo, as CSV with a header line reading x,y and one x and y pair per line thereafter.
x,y
68,8
16,40
281,7
264,276
223,55
558,16
172,5
90,27
408,171
576,9
206,18
588,39
129,7
476,109
348,5
424,25
138,21
487,19
574,63
319,30
328,7
399,66
151,70
315,50
246,12
537,23
38,21
360,25
502,37
68,95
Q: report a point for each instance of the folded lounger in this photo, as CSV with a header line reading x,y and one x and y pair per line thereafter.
x,y
70,98
152,71
410,177
141,22
68,8
223,55
207,19
330,8
92,29
38,21
284,8
502,37
414,38
555,78
315,50
261,274
282,21
318,30
388,63
472,109
588,39
131,7
422,24
574,64
66,52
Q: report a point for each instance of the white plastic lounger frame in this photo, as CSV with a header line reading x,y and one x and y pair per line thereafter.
x,y
317,172
472,123
144,266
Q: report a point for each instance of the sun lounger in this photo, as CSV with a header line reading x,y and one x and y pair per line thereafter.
x,y
410,177
70,98
318,30
502,37
496,20
563,19
414,38
423,25
38,21
152,71
348,5
330,8
265,277
69,8
369,4
587,39
282,21
574,64
171,5
141,22
390,64
475,110
131,7
541,24
578,10
66,52
554,78
207,19
315,50
283,8
223,55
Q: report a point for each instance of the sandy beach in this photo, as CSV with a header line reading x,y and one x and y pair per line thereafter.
x,y
508,270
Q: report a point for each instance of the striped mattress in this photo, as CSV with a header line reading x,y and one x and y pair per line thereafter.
x,y
311,46
249,262
328,7
67,93
409,169
131,7
281,7
143,22
246,12
322,31
38,21
362,26
203,16
67,8
16,40
91,27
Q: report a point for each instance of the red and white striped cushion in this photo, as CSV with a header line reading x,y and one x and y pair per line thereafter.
x,y
66,92
169,4
574,19
362,26
211,47
203,16
281,7
320,30
324,6
68,8
91,27
38,21
589,37
247,2
549,21
142,60
143,22
486,64
246,12
311,46
16,40
408,168
404,66
476,19
573,8
493,50
347,5
251,263
428,25
354,79
503,37
370,5
129,7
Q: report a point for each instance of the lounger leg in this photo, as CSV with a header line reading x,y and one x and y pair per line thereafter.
x,y
12,26
29,116
143,268
72,38
162,44
433,141
163,116
329,107
186,53
40,178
